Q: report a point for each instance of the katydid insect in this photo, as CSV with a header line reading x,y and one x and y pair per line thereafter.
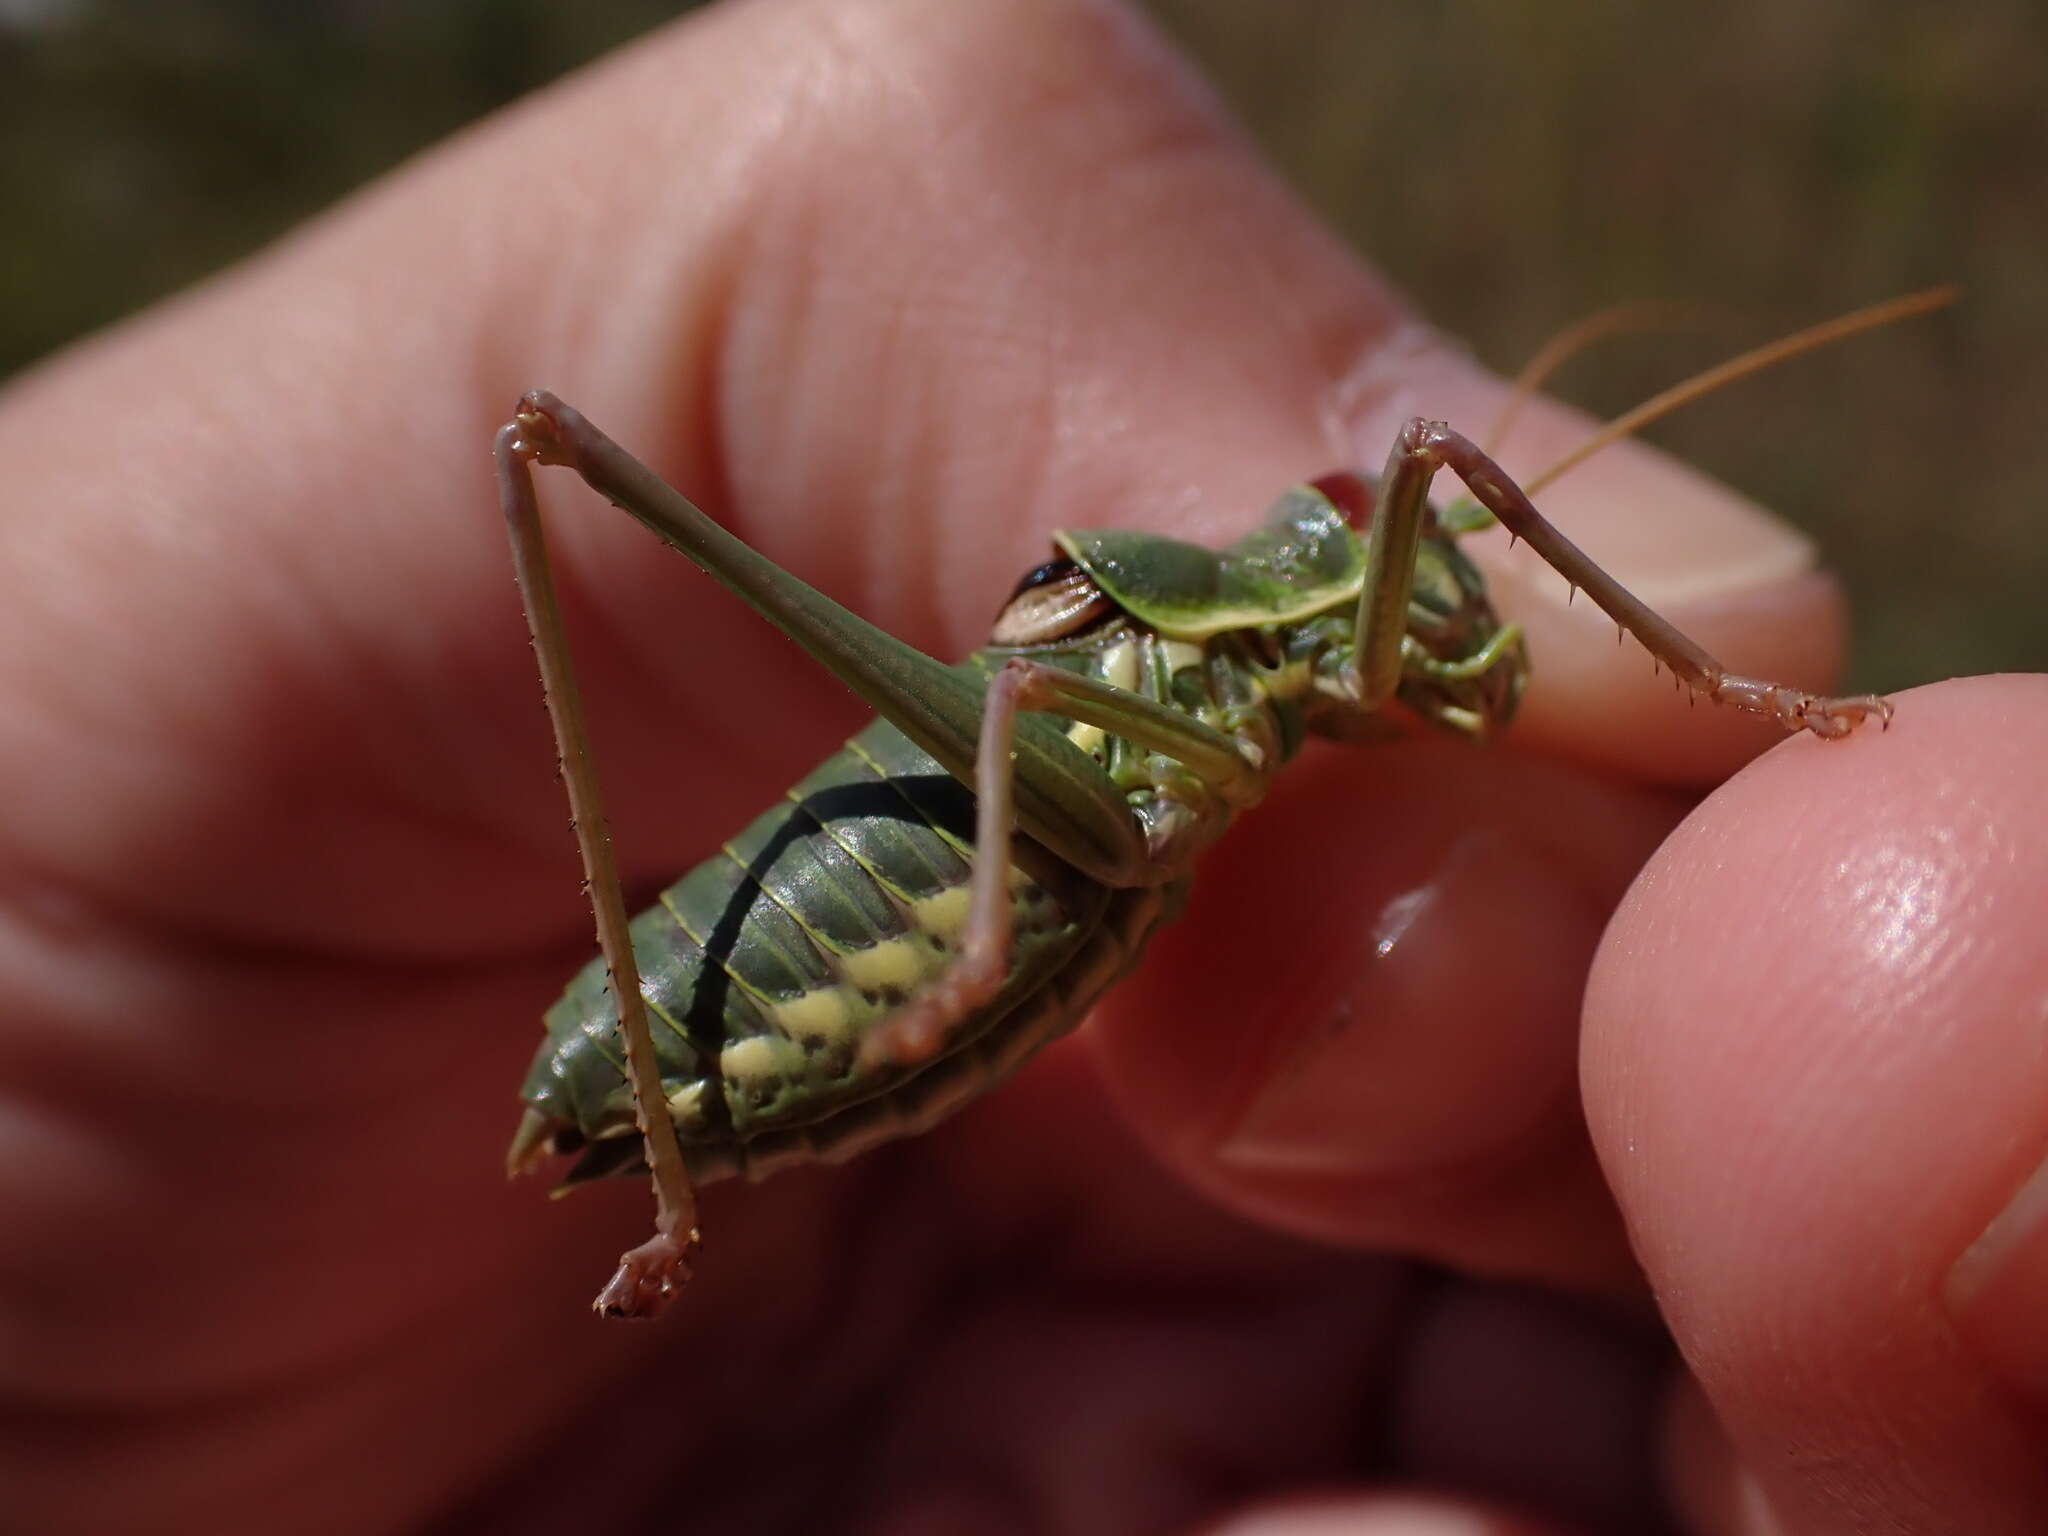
x,y
858,963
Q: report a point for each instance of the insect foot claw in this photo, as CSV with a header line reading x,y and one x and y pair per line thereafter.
x,y
649,1278
1796,710
1838,717
540,420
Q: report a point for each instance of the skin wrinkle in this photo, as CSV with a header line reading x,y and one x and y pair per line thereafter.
x,y
306,650
1070,371
917,472
1096,148
718,359
1371,396
883,570
1472,1178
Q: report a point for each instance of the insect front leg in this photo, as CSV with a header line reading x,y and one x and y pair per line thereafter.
x,y
1423,448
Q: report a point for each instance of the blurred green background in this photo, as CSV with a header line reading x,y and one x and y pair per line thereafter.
x,y
1515,167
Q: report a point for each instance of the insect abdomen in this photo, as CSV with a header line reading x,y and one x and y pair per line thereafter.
x,y
765,965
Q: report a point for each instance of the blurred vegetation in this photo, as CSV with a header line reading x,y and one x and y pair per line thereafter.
x,y
1514,167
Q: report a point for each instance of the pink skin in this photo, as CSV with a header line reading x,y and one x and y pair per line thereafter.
x,y
896,286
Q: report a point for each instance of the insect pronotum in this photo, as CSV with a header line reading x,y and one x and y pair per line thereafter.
x,y
855,966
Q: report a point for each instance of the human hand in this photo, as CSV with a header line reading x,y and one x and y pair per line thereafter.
x,y
895,288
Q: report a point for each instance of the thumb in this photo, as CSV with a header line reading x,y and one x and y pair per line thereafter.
x,y
1813,1069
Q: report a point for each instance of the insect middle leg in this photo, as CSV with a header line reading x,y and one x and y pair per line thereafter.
x,y
1423,448
1159,852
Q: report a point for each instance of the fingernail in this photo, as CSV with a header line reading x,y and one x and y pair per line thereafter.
x,y
1344,1097
1997,1293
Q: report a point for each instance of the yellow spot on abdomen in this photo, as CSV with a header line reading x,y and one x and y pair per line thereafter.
x,y
687,1102
943,915
820,1014
757,1056
1089,738
897,963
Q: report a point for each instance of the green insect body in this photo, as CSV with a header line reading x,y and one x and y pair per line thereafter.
x,y
961,882
766,966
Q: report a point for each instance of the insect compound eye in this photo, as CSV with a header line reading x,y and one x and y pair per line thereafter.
x,y
1057,601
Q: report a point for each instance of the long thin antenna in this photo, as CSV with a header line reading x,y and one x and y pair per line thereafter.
x,y
1618,319
1664,403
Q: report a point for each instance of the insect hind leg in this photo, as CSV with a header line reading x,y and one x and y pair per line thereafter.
x,y
650,1275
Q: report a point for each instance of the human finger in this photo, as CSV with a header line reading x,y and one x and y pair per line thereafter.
x,y
1814,1042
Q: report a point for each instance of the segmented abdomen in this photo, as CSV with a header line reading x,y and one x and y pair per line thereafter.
x,y
764,966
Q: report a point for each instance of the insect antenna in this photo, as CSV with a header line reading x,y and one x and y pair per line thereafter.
x,y
1617,320
1814,337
